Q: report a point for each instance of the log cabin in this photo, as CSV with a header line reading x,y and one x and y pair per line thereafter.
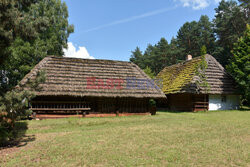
x,y
85,87
186,91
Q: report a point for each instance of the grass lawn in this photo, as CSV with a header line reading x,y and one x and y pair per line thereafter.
x,y
167,139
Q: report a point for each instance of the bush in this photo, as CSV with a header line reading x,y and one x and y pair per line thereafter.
x,y
152,106
14,105
152,103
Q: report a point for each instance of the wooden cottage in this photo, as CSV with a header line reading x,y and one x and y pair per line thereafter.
x,y
186,91
85,86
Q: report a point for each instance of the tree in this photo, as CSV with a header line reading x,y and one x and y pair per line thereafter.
x,y
14,105
16,21
36,29
239,64
175,52
187,38
149,72
29,31
206,34
154,56
193,35
230,23
157,56
137,57
162,50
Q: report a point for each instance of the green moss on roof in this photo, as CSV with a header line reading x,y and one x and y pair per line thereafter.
x,y
176,77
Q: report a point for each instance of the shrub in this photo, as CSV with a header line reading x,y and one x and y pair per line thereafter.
x,y
14,105
152,106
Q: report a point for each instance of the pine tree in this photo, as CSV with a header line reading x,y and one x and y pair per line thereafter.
x,y
175,51
188,39
230,23
206,34
137,57
162,50
193,35
14,105
149,72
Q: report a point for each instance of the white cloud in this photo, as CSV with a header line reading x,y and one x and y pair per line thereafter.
x,y
80,52
197,4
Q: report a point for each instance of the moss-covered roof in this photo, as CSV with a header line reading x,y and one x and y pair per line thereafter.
x,y
182,77
177,76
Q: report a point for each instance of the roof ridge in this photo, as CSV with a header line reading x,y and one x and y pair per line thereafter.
x,y
184,62
75,58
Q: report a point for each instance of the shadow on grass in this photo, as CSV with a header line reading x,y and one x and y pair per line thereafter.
x,y
18,137
245,108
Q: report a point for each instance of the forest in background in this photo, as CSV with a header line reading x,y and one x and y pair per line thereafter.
x,y
218,36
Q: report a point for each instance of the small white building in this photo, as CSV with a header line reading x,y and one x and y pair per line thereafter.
x,y
185,89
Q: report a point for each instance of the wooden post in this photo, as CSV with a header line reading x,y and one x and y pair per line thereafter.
x,y
83,113
116,107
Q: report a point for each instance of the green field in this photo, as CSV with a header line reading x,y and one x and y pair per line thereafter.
x,y
167,139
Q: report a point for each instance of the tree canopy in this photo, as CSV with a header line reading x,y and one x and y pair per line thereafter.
x,y
239,65
29,31
230,23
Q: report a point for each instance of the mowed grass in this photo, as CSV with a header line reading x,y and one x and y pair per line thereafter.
x,y
167,139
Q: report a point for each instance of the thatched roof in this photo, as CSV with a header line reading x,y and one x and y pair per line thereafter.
x,y
183,78
68,77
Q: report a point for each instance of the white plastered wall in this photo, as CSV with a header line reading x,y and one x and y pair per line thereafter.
x,y
224,102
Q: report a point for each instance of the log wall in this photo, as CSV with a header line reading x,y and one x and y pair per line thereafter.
x,y
90,105
187,102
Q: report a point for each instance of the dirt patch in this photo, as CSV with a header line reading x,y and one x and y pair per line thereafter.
x,y
8,150
17,145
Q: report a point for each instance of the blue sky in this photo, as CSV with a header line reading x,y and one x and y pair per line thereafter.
x,y
111,29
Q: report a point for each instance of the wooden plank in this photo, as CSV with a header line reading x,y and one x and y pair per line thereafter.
x,y
55,116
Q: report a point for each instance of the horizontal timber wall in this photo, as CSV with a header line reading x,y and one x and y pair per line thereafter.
x,y
85,106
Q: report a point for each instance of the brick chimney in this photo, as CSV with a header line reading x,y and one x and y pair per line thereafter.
x,y
188,57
